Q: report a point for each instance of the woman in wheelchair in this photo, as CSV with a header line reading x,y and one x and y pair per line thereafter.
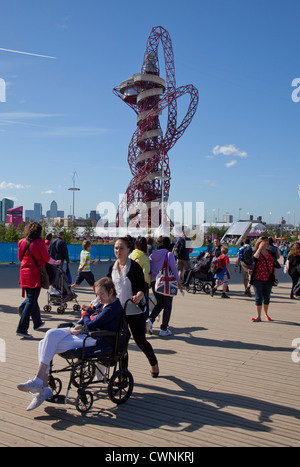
x,y
106,316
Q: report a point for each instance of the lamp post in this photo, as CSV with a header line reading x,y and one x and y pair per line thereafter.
x,y
74,189
162,178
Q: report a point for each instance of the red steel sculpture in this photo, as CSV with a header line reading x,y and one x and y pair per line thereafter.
x,y
148,95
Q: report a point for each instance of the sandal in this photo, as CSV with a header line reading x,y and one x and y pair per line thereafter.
x,y
268,318
256,320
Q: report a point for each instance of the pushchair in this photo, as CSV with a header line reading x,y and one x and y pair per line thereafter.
x,y
59,292
200,277
86,363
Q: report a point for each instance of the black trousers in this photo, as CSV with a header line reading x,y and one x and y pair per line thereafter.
x,y
137,326
163,303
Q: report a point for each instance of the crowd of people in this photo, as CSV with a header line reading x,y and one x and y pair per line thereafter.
x,y
131,276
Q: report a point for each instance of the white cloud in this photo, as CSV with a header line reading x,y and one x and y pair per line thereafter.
x,y
231,163
229,150
48,192
12,186
210,183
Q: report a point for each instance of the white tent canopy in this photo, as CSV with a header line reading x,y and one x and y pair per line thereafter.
x,y
238,229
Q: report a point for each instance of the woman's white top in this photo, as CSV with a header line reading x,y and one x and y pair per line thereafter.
x,y
124,288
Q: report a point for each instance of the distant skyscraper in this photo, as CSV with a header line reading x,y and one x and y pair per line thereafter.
x,y
53,212
6,204
37,212
29,215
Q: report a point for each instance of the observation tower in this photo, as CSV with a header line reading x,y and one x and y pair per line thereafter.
x,y
148,94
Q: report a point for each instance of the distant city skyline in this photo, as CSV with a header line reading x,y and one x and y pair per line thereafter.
x,y
214,217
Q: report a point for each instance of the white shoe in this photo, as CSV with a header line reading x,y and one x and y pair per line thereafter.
x,y
38,399
31,386
168,332
149,327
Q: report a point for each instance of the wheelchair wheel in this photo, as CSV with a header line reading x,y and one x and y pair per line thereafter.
x,y
55,385
120,386
83,374
84,401
206,288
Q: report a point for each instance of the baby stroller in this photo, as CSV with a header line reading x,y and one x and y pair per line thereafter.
x,y
86,363
59,292
200,277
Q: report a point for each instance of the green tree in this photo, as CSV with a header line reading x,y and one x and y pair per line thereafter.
x,y
2,231
70,233
89,230
11,234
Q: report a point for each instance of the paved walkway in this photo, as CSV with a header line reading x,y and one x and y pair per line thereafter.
x,y
224,381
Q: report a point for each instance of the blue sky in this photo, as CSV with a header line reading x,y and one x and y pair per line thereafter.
x,y
240,154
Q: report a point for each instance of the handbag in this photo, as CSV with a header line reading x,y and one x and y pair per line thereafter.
x,y
166,283
45,282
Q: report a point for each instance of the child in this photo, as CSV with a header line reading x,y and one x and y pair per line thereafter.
x,y
223,276
84,270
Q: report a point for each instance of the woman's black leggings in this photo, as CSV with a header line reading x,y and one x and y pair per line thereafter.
x,y
137,326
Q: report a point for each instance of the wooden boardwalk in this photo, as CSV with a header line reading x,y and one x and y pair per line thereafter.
x,y
224,381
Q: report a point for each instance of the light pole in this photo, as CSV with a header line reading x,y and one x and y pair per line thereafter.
x,y
162,178
74,189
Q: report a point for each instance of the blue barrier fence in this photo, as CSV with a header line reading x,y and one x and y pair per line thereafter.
x,y
9,252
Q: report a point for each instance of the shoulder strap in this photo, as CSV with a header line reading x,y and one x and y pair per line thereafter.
x,y
37,264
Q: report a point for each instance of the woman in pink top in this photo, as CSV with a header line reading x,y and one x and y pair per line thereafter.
x,y
30,278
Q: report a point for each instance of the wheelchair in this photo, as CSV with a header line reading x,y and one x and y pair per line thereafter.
x,y
86,363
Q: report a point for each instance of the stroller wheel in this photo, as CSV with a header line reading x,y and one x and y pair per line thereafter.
x,y
120,386
76,307
47,308
84,400
60,310
206,288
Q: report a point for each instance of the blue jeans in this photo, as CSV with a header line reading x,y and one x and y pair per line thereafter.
x,y
30,309
262,291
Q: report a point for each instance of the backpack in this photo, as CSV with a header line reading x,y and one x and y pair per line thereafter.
x,y
247,255
179,249
216,265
